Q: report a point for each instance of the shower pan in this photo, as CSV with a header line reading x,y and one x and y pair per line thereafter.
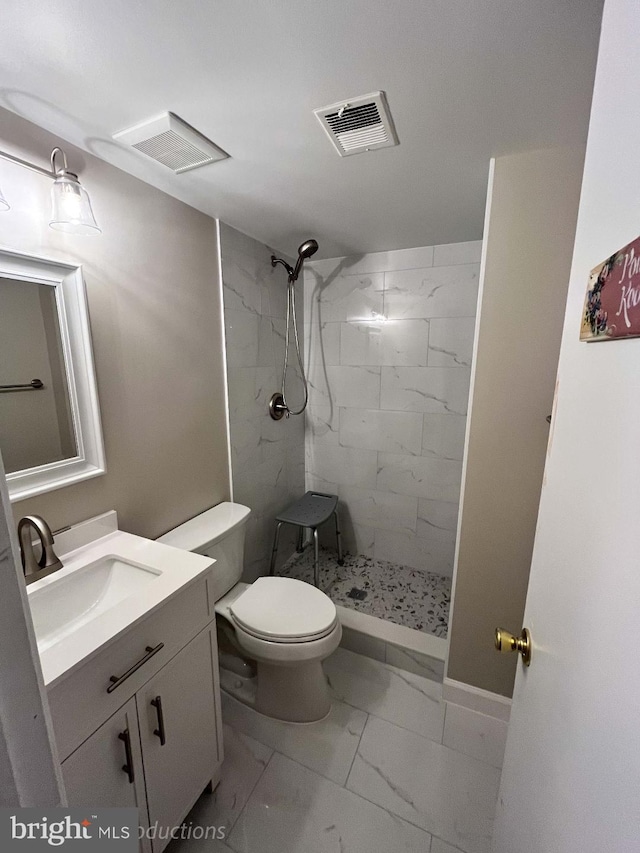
x,y
278,406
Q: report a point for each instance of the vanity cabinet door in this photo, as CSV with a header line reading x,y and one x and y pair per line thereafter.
x,y
178,733
95,775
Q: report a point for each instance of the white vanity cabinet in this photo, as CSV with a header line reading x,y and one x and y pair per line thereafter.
x,y
139,723
177,719
113,747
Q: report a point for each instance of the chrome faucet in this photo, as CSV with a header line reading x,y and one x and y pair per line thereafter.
x,y
48,562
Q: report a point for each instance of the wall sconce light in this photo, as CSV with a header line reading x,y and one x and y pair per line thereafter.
x,y
70,204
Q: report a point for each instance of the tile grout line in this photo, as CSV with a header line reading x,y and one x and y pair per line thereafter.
x,y
241,812
356,752
357,794
404,729
431,266
466,755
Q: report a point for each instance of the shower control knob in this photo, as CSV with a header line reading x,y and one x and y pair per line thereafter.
x,y
277,407
506,642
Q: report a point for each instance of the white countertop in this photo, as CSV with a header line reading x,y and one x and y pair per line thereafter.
x,y
178,569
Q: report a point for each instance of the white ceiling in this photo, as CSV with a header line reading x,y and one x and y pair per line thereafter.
x,y
465,80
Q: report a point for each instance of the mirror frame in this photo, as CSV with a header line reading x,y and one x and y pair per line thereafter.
x,y
75,334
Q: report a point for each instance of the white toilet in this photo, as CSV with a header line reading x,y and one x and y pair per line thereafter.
x,y
287,627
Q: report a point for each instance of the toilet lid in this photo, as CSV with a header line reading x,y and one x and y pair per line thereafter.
x,y
284,610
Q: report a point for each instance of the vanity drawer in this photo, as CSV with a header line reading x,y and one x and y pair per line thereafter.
x,y
81,703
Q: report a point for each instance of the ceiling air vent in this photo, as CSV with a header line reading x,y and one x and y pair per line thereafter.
x,y
359,124
172,142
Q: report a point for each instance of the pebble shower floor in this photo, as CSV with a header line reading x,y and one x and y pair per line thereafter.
x,y
415,599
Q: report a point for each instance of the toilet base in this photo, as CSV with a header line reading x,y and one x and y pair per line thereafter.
x,y
297,694
302,699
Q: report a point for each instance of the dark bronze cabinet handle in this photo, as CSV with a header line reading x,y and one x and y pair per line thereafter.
x,y
128,767
117,680
159,732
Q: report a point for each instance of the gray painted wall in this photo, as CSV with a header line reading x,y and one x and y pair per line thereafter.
x,y
155,309
529,234
31,433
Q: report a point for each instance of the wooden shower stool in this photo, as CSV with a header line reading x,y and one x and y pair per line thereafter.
x,y
308,513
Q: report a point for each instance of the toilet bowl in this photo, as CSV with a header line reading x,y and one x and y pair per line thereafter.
x,y
279,628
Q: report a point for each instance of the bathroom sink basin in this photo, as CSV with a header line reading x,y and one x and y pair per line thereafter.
x,y
109,582
65,604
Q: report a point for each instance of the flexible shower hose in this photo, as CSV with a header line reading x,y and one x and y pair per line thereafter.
x,y
291,310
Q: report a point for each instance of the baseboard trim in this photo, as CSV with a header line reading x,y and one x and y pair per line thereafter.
x,y
476,699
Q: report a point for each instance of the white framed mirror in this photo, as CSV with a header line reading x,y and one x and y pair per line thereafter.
x,y
50,430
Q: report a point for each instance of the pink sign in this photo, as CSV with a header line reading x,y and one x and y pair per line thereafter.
x,y
612,306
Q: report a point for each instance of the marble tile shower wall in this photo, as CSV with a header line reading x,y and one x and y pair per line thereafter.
x,y
267,456
389,340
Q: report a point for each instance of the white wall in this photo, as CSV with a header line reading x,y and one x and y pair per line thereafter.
x,y
389,339
582,794
267,456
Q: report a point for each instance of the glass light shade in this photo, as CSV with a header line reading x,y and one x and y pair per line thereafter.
x,y
4,204
71,208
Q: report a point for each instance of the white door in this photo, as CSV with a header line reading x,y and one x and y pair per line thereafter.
x,y
571,778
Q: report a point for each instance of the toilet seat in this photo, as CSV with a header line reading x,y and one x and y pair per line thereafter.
x,y
284,610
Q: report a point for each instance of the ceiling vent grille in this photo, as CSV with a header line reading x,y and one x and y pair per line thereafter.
x,y
359,124
172,142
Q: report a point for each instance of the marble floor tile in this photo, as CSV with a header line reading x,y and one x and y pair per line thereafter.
x,y
442,791
409,701
293,810
440,846
245,760
328,746
406,596
475,734
199,845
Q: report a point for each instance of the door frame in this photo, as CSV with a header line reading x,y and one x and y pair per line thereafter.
x,y
29,768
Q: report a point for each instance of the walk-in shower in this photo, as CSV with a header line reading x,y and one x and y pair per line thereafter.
x,y
278,406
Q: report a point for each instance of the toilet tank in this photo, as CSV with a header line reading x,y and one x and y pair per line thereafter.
x,y
218,533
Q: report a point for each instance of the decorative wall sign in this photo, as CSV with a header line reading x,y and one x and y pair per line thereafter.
x,y
612,306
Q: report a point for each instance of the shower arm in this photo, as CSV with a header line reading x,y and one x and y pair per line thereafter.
x,y
275,261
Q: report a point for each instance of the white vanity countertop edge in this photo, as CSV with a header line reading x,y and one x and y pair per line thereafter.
x,y
179,570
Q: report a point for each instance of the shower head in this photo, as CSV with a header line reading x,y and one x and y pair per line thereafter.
x,y
308,248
